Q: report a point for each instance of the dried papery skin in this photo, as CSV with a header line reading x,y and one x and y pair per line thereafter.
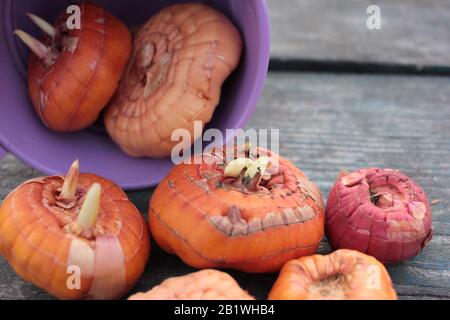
x,y
180,59
381,212
255,225
40,238
77,77
201,285
341,275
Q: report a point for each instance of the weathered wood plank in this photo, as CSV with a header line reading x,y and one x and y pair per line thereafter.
x,y
329,123
412,32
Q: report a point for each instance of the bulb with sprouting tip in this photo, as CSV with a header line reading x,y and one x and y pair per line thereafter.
x,y
86,231
57,106
258,201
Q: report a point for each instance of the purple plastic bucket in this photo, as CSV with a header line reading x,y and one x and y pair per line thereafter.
x,y
23,134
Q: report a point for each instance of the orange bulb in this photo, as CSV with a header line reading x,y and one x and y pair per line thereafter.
x,y
75,237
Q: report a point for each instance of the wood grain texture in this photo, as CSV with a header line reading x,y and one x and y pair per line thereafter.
x,y
413,32
329,123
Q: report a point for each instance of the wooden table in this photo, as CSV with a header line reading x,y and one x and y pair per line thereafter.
x,y
344,98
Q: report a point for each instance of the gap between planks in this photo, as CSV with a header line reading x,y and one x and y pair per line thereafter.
x,y
354,67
